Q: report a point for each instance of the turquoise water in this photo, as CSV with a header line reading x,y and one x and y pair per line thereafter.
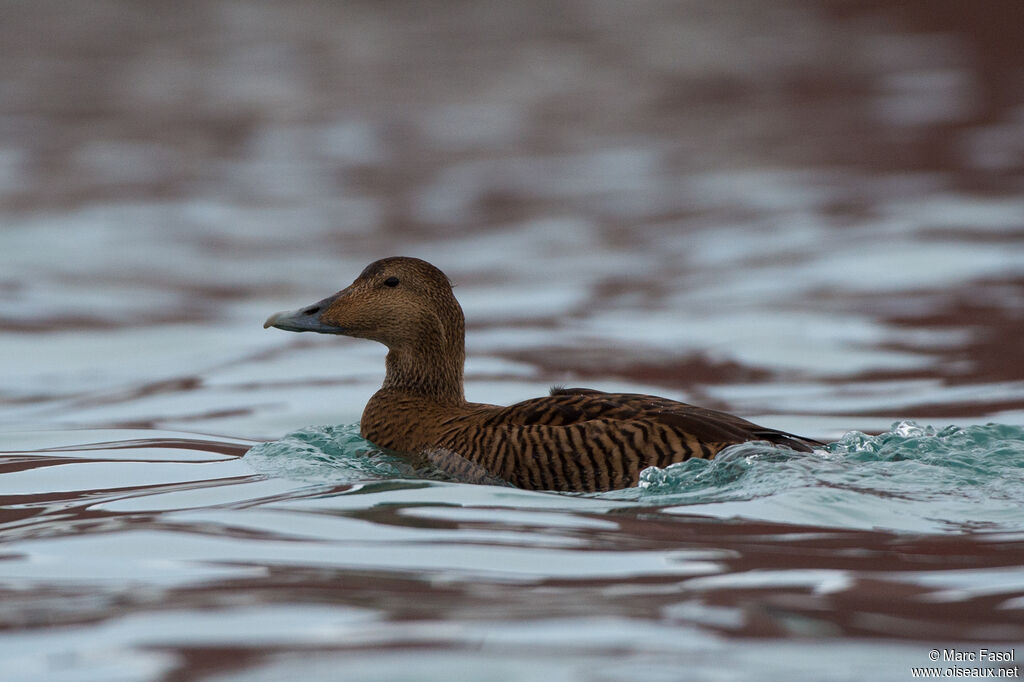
x,y
912,477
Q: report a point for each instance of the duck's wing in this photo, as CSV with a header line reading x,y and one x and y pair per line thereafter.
x,y
567,405
587,440
562,409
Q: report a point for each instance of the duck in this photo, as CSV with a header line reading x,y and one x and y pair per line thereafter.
x,y
573,440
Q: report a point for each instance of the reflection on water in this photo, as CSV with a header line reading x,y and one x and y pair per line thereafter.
x,y
808,214
216,567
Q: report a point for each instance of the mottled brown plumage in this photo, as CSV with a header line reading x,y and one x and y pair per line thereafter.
x,y
575,439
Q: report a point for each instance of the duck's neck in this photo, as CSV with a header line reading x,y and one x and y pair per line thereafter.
x,y
431,366
427,373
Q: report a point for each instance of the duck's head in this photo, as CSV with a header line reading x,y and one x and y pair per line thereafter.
x,y
405,303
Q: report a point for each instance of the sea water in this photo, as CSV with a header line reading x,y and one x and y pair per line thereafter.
x,y
911,478
809,216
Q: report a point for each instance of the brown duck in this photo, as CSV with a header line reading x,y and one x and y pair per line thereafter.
x,y
575,439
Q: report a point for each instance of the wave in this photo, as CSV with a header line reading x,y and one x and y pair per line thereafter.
x,y
911,477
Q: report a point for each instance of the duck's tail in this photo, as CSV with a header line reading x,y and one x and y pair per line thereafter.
x,y
789,440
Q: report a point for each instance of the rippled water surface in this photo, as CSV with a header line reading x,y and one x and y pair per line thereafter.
x,y
809,214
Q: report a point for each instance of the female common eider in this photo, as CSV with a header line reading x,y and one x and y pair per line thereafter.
x,y
575,439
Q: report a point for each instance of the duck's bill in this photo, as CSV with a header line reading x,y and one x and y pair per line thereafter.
x,y
306,319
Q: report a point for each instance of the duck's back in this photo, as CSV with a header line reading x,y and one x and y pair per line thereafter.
x,y
587,440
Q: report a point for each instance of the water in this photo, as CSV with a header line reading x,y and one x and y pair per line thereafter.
x,y
910,478
806,214
318,554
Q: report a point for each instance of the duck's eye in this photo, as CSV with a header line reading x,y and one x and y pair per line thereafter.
x,y
391,282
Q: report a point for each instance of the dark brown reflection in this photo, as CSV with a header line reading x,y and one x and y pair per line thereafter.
x,y
880,590
220,447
